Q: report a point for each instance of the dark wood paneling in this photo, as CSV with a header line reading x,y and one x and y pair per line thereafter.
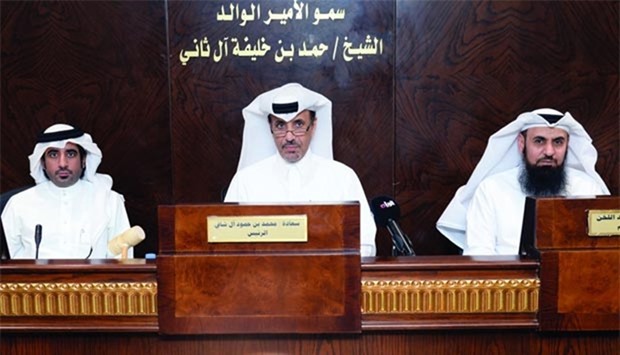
x,y
103,67
397,342
563,223
465,69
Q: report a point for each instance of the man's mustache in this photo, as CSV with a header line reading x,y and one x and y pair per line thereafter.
x,y
547,160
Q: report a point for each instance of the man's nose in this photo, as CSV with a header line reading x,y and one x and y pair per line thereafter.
x,y
549,149
289,135
62,160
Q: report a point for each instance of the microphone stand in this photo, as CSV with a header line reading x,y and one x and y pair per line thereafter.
x,y
405,250
37,239
401,244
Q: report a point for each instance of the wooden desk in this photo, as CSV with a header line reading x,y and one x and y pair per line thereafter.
x,y
580,272
254,286
110,308
449,292
78,295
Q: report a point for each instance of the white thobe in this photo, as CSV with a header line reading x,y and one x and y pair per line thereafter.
x,y
77,221
312,179
495,215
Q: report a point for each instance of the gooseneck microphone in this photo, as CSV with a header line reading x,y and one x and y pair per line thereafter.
x,y
37,239
387,213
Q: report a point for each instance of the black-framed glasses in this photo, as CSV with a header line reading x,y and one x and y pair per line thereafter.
x,y
300,128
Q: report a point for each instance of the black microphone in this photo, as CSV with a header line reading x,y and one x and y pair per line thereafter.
x,y
37,238
387,213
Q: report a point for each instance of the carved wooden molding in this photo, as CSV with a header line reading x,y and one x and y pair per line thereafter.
x,y
450,296
378,297
78,299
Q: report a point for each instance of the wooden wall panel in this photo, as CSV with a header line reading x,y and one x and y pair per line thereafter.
x,y
101,66
412,122
465,69
404,342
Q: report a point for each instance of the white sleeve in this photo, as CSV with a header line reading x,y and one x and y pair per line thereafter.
x,y
12,231
368,228
481,224
232,193
599,189
119,221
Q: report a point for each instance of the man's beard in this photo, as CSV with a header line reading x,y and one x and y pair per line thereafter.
x,y
542,181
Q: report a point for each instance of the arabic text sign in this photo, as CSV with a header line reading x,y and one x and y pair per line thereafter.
x,y
257,229
603,223
262,47
256,43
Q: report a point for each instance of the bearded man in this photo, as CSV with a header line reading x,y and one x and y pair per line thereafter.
x,y
542,153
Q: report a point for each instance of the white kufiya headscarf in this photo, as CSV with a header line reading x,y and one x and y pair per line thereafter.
x,y
502,154
285,102
57,136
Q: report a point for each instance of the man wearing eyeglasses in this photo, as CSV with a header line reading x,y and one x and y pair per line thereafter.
x,y
286,156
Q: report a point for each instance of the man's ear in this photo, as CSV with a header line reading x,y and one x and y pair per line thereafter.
x,y
314,122
521,141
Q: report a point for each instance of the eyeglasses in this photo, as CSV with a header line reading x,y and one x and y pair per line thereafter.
x,y
280,129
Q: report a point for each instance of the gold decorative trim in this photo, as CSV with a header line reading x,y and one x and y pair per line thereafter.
x,y
450,296
78,299
378,297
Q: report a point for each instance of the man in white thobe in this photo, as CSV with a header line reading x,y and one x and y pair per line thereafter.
x,y
299,167
541,153
76,208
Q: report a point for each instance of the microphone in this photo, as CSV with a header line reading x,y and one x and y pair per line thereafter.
x,y
125,240
387,213
37,238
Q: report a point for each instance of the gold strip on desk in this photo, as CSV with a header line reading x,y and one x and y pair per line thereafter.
x,y
378,297
78,299
450,296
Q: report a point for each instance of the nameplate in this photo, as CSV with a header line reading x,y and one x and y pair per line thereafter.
x,y
603,223
257,229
